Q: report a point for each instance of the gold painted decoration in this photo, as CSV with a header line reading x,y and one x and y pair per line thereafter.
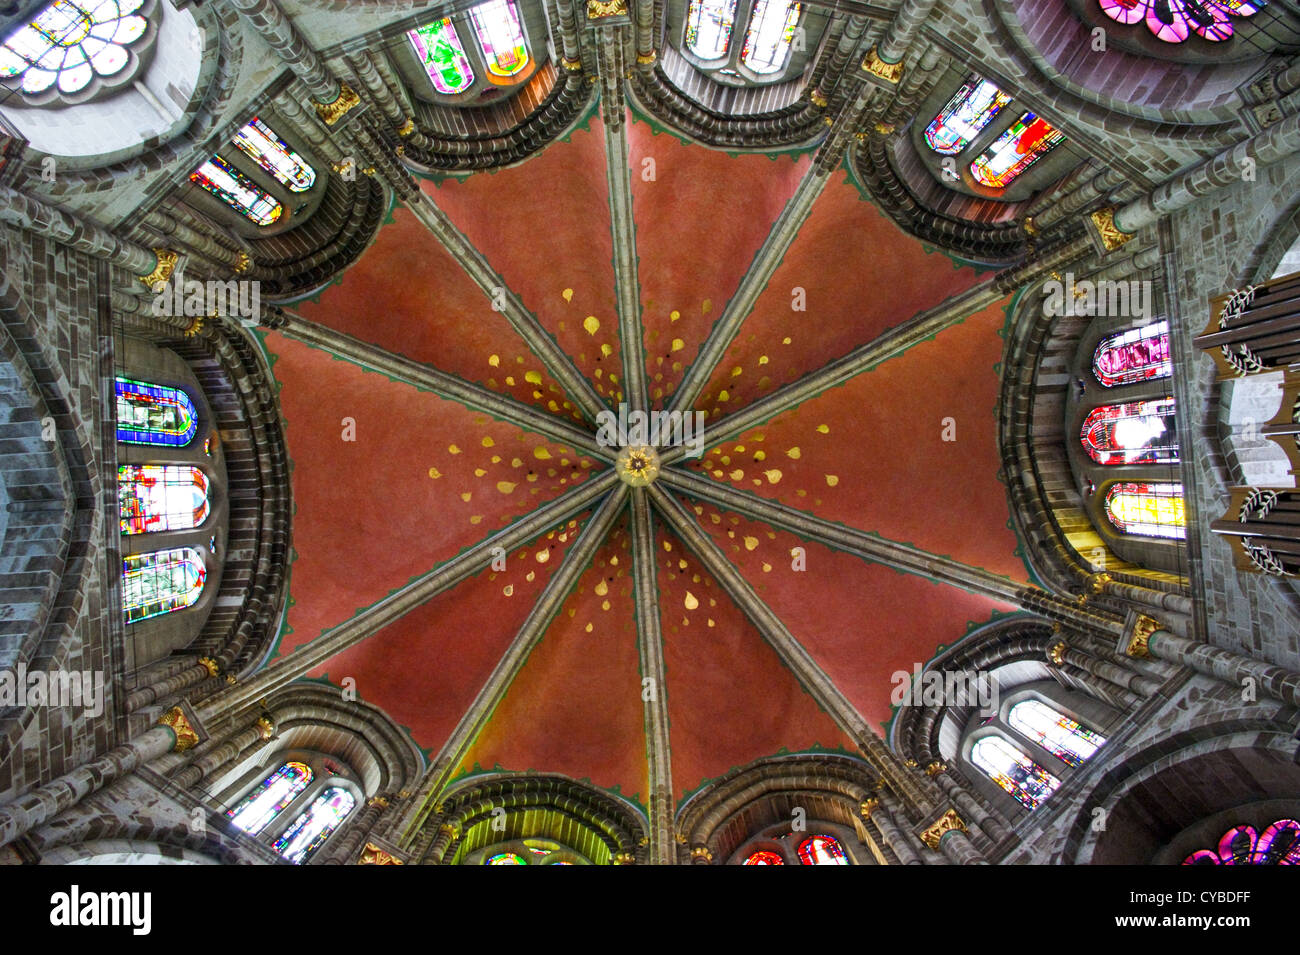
x,y
373,855
242,262
331,113
176,721
948,822
637,465
870,806
265,728
701,852
889,72
407,128
600,9
1057,653
1139,643
1112,237
156,281
210,665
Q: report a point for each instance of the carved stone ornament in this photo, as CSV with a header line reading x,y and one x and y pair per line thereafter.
x,y
948,822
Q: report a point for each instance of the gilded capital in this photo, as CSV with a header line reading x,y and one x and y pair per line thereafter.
x,y
156,281
935,768
1112,237
210,665
600,9
331,113
407,128
870,806
176,721
1139,643
889,72
701,852
623,858
948,822
1057,652
818,100
373,855
242,262
265,728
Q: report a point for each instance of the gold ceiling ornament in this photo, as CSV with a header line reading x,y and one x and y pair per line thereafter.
x,y
818,100
195,326
210,665
701,852
230,679
399,152
449,830
600,9
369,170
1030,227
265,728
1139,643
889,72
1057,652
1112,237
373,855
935,768
379,801
187,736
406,794
948,822
645,59
623,858
1098,582
407,128
156,281
911,763
868,807
242,262
573,66
637,465
331,113
885,129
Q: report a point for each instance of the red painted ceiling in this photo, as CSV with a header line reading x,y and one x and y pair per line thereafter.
x,y
427,477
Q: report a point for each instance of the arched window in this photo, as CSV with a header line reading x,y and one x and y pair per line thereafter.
x,y
68,44
764,857
237,191
442,56
160,582
971,108
1015,772
310,830
1244,845
1138,354
505,858
260,808
1147,510
708,28
1061,736
1137,432
770,33
1022,144
257,141
528,851
153,414
822,850
156,498
500,36
1175,20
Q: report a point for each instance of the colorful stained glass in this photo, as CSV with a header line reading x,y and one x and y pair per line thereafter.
x,y
1243,845
1067,740
501,36
1136,432
708,28
971,108
1138,354
154,414
770,35
764,857
160,582
257,141
1173,21
506,858
154,498
1015,772
1147,510
822,850
263,804
70,43
310,830
444,60
237,191
1023,143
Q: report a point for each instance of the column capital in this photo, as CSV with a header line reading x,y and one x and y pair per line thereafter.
x,y
948,822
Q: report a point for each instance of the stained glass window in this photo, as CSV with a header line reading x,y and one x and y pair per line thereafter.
x,y
237,191
770,34
1175,20
1148,510
154,414
1015,772
764,857
506,858
314,826
160,582
1243,845
264,147
708,27
1061,736
70,43
971,108
443,58
501,36
1136,432
155,498
1019,147
822,850
263,804
1138,354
